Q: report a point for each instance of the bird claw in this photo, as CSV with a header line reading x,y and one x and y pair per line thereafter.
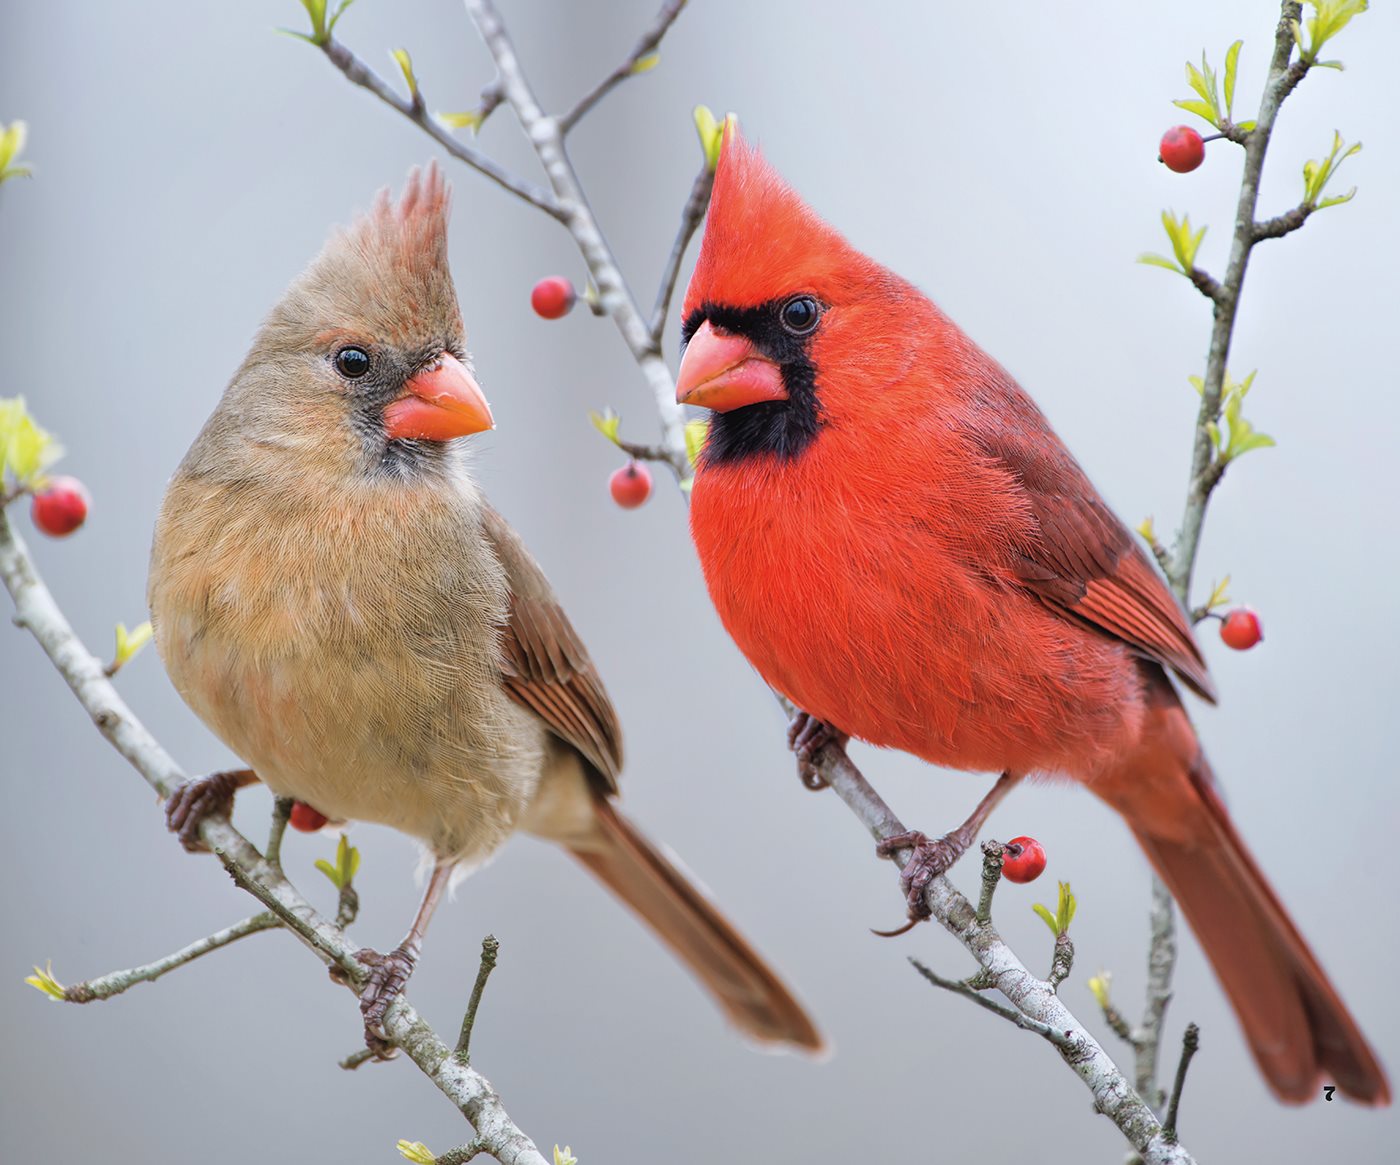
x,y
807,737
388,975
930,859
194,801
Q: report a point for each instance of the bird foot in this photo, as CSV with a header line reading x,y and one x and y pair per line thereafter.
x,y
807,736
930,859
192,802
388,975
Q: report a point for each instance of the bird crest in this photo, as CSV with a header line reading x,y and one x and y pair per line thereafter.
x,y
763,242
386,275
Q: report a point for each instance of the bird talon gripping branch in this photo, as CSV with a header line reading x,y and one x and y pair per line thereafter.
x,y
807,737
194,801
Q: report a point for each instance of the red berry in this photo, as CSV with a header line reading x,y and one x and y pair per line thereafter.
x,y
630,485
305,818
1181,149
60,507
553,297
1241,629
1023,859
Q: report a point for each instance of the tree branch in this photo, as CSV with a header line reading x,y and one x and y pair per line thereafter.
x,y
361,74
105,986
643,49
37,612
1282,78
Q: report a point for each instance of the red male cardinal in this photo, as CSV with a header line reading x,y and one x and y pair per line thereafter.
x,y
334,597
902,546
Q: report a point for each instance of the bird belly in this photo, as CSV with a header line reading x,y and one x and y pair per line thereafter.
x,y
887,634
365,683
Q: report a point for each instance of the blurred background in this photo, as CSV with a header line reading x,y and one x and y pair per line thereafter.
x,y
188,162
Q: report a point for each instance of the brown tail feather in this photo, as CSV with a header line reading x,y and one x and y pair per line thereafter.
x,y
1300,1032
745,987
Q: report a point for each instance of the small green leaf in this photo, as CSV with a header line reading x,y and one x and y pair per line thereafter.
x,y
44,981
1147,530
646,64
130,642
695,434
1245,126
1213,430
26,450
347,864
336,15
1219,595
417,1152
405,63
1199,108
566,1157
1047,917
1158,261
1232,57
12,139
607,422
687,485
1098,987
711,132
470,119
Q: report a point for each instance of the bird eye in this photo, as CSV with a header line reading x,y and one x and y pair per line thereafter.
x,y
799,314
352,363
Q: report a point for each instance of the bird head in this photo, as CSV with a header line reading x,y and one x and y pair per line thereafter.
x,y
779,300
364,361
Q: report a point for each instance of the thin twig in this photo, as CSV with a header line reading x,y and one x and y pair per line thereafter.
x,y
355,1059
1061,962
692,215
106,986
1190,1042
1061,1039
490,948
1282,224
281,814
361,74
463,1153
643,49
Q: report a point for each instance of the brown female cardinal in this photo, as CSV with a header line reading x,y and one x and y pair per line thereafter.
x,y
337,601
901,545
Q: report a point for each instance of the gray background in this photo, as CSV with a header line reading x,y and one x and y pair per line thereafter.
x,y
189,162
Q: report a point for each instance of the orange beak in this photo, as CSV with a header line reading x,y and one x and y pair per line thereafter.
x,y
444,401
723,372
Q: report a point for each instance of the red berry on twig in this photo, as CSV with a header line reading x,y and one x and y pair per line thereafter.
x,y
630,485
1023,859
1241,629
553,297
60,507
305,818
1182,149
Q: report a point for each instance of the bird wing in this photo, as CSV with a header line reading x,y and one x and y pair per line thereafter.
x,y
1081,560
545,666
